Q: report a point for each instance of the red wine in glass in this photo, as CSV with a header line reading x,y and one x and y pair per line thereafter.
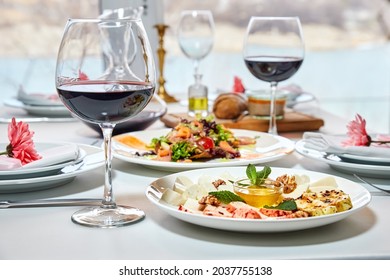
x,y
105,101
273,68
273,52
98,82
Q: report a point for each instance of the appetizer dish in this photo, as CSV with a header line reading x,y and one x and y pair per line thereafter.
x,y
258,196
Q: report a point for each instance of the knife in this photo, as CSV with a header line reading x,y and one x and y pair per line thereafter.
x,y
50,203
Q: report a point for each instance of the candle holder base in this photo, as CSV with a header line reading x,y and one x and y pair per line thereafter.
x,y
165,96
162,93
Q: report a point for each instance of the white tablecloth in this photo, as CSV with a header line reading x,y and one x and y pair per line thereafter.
x,y
48,233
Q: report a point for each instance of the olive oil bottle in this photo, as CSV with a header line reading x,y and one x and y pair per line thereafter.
x,y
198,99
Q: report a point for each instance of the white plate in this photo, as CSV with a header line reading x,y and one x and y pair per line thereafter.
x,y
94,158
365,159
23,173
368,170
359,195
50,111
294,99
268,148
38,99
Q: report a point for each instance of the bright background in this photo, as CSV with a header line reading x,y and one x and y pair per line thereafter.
x,y
347,63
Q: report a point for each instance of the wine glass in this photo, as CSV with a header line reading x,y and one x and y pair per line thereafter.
x,y
273,52
196,38
97,84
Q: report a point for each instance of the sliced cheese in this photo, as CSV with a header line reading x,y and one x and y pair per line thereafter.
x,y
195,191
182,183
172,197
192,205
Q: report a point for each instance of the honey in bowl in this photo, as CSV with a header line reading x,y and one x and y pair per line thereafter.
x,y
268,193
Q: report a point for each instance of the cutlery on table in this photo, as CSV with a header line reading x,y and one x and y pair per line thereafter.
x,y
371,184
4,204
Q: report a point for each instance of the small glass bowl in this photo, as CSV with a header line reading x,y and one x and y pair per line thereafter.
x,y
259,103
269,193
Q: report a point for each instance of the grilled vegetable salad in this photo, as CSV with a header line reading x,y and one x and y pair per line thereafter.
x,y
198,140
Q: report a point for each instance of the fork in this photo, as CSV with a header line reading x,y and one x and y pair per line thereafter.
x,y
371,184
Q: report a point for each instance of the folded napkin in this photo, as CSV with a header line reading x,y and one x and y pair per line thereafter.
x,y
333,144
50,156
55,155
7,163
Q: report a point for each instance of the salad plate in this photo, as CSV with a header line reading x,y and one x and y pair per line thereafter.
x,y
59,155
339,162
94,158
49,111
267,148
359,195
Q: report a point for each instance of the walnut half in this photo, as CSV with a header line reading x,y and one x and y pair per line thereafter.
x,y
289,183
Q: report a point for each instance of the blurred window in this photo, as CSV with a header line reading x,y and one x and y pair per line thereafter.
x,y
327,25
33,28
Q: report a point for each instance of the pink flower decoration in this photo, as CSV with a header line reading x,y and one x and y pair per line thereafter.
x,y
358,135
21,144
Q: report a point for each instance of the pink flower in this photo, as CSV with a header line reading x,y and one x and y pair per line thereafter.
x,y
21,144
358,135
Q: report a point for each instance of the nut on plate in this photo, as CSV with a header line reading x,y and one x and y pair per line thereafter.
x,y
229,105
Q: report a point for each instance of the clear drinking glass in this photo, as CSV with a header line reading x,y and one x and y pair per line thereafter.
x,y
196,38
273,52
98,84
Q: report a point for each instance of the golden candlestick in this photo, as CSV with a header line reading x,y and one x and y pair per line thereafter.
x,y
161,60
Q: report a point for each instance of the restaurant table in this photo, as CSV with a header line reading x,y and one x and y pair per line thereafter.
x,y
49,233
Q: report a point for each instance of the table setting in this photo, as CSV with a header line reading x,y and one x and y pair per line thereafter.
x,y
140,175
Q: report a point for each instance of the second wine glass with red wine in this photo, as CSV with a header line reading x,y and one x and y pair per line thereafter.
x,y
98,84
273,52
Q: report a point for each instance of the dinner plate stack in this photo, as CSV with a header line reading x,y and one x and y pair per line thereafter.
x,y
60,163
48,105
362,160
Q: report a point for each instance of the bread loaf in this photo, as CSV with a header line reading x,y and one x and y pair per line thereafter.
x,y
229,105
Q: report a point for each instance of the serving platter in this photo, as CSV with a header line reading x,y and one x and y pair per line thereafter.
x,y
359,195
267,148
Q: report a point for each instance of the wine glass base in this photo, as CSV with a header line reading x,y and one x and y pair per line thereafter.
x,y
101,217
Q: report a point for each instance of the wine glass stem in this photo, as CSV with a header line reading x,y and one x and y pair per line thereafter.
x,y
196,68
272,129
108,199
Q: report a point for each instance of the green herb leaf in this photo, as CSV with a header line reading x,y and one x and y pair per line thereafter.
x,y
226,196
262,175
287,205
257,177
251,173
